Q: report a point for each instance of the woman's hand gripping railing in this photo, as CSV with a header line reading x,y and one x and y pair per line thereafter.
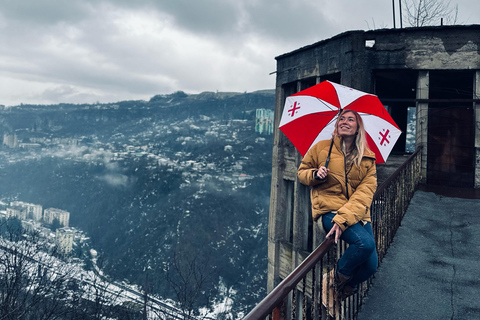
x,y
276,296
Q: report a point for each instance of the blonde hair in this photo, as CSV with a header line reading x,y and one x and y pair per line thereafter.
x,y
360,145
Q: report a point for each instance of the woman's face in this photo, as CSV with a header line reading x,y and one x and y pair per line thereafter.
x,y
347,124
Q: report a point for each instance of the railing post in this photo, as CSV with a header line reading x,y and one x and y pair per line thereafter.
x,y
265,307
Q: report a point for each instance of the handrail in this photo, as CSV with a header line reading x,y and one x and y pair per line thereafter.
x,y
273,299
396,173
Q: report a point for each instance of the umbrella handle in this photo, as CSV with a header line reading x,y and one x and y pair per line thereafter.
x,y
328,157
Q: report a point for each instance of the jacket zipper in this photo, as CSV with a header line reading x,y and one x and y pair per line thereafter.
x,y
346,173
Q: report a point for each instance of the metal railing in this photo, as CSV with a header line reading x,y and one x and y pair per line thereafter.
x,y
301,290
391,200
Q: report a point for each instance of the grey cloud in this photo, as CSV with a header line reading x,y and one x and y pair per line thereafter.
x,y
115,180
231,19
78,49
288,20
60,94
210,16
89,50
43,12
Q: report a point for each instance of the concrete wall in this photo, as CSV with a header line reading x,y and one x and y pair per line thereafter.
x,y
477,129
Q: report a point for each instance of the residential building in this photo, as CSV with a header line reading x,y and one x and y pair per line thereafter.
x,y
10,140
51,214
33,211
64,240
17,212
264,121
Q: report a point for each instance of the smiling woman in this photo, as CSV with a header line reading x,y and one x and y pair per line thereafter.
x,y
347,124
341,195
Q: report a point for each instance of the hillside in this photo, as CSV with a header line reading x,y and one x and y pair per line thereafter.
x,y
174,186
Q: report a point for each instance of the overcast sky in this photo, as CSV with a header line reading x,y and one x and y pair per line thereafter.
x,y
84,51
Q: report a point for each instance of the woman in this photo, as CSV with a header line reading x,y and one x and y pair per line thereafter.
x,y
341,196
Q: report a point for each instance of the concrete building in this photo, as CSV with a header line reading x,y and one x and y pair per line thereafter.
x,y
17,212
64,240
264,121
10,140
33,211
29,145
429,80
51,214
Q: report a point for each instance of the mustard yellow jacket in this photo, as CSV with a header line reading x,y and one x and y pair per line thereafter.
x,y
346,191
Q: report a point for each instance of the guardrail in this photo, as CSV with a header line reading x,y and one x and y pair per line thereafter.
x,y
301,290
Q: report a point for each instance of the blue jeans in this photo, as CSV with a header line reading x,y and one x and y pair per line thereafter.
x,y
360,261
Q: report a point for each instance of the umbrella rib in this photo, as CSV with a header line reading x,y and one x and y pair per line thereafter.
x,y
326,105
332,109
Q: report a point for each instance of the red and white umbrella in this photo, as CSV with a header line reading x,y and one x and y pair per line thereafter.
x,y
309,116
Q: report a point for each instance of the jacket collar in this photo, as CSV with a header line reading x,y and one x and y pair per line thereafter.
x,y
338,144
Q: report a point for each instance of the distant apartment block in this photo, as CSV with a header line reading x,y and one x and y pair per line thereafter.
x,y
32,211
264,121
51,214
65,141
10,140
64,240
17,212
29,145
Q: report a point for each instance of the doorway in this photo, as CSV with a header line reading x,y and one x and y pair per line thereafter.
x,y
450,160
451,130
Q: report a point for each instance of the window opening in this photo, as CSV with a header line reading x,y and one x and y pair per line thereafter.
x,y
397,90
410,139
451,129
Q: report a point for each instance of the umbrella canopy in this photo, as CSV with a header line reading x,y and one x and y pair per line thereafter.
x,y
309,116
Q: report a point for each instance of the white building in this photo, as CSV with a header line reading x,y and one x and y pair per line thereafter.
x,y
10,140
264,121
17,211
25,145
33,211
51,214
64,240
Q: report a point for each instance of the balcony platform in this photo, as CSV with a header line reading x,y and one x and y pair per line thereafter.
x,y
430,270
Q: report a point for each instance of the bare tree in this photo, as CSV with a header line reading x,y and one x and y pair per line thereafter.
x,y
34,284
420,13
190,277
31,281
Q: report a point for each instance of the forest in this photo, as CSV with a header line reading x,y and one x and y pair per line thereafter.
x,y
172,192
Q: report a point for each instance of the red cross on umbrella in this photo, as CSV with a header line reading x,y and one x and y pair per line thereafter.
x,y
309,116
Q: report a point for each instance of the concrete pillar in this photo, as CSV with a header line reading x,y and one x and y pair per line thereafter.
x,y
476,110
422,119
276,223
299,218
285,161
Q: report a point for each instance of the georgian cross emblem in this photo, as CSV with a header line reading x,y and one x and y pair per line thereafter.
x,y
294,108
384,137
